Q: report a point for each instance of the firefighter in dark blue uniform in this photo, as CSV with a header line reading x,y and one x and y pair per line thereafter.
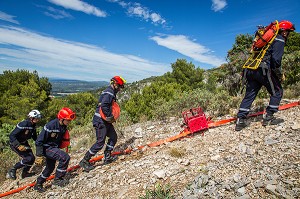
x,y
24,131
48,147
269,74
104,127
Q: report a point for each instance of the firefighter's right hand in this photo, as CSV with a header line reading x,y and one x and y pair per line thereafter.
x,y
21,148
39,160
110,119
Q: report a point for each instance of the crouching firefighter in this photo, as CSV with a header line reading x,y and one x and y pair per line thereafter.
x,y
48,147
18,138
269,74
103,123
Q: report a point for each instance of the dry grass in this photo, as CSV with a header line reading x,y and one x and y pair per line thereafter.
x,y
175,152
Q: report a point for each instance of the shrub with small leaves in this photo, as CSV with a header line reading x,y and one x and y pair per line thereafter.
x,y
159,192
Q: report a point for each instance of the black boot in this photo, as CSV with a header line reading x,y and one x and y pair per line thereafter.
x,y
271,120
240,124
26,174
59,182
12,173
108,158
39,188
85,164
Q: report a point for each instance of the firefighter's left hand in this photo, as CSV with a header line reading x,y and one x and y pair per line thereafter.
x,y
22,148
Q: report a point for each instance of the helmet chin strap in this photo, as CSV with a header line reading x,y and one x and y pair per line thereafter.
x,y
61,121
285,34
116,87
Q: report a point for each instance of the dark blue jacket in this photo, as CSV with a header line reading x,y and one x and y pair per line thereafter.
x,y
24,131
274,54
51,135
105,102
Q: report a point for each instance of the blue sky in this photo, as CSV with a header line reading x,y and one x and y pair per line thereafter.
x,y
96,39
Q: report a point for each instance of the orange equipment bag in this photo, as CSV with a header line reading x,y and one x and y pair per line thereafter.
x,y
65,141
264,35
115,111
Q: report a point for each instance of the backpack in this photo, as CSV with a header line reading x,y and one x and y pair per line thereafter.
x,y
65,143
115,111
264,36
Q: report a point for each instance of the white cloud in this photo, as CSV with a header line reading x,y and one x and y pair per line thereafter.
x,y
79,5
67,59
218,5
57,14
137,10
183,45
7,17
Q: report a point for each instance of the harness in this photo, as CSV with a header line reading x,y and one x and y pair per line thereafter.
x,y
254,60
267,72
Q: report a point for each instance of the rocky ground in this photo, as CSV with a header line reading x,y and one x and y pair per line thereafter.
x,y
257,162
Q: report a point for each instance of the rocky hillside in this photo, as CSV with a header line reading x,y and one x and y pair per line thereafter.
x,y
258,162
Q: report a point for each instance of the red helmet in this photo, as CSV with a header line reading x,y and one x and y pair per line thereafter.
x,y
119,80
66,113
286,25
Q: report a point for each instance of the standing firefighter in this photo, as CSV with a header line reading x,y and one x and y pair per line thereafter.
x,y
19,143
269,74
48,145
103,124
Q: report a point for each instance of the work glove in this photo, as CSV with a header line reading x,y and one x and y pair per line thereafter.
x,y
110,119
22,148
39,160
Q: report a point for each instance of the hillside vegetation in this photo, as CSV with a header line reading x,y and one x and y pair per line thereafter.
x,y
217,91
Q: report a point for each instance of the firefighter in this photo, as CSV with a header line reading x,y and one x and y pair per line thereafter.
x,y
269,74
104,127
18,139
47,147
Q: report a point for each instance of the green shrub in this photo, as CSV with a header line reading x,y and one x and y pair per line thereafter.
x,y
5,130
86,134
159,192
292,92
213,104
7,159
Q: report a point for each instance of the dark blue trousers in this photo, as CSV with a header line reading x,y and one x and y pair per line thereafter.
x,y
27,158
255,80
52,155
103,130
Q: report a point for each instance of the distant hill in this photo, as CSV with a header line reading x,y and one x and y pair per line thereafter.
x,y
65,86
